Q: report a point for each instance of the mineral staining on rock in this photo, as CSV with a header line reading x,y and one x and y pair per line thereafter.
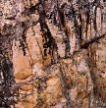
x,y
52,54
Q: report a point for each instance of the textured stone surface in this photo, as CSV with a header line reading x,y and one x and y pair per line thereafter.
x,y
52,54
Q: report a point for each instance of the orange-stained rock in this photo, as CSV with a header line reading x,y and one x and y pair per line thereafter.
x,y
52,54
53,92
21,64
26,87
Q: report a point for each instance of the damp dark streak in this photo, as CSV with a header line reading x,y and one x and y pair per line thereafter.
x,y
49,42
87,22
6,73
67,42
23,41
85,45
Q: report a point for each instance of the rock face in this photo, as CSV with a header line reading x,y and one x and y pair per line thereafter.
x,y
52,54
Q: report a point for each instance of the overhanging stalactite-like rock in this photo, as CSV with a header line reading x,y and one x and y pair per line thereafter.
x,y
52,54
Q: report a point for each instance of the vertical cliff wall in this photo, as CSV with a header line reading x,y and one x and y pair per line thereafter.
x,y
52,54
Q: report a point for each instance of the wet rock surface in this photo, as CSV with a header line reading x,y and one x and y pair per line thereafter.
x,y
52,54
